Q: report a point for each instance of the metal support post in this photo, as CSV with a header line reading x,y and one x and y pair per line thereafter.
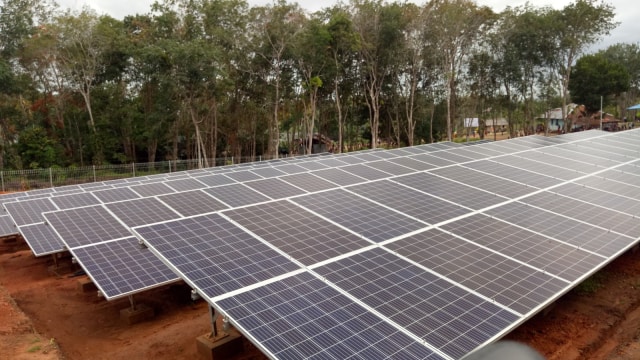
x,y
132,302
213,316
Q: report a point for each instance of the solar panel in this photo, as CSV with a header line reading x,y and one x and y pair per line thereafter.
x,y
514,174
366,172
112,195
274,188
496,277
121,267
308,182
305,237
215,180
84,226
214,255
191,203
141,211
29,211
41,239
390,167
339,177
557,172
74,200
484,181
359,215
291,168
152,189
6,226
414,203
424,304
244,175
301,317
236,195
268,172
185,184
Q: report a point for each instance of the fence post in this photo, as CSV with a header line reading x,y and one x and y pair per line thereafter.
x,y
169,161
232,160
94,174
2,179
133,166
50,177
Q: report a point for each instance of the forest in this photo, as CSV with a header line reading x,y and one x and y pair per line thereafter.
x,y
202,79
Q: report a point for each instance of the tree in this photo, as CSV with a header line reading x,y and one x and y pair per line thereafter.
x,y
576,27
593,77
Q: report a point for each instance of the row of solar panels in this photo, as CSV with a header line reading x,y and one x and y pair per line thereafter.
x,y
443,257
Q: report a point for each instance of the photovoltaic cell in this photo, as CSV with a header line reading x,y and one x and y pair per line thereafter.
x,y
143,211
359,215
29,211
571,231
213,254
301,317
112,195
451,191
542,253
492,275
308,182
304,236
192,203
274,188
409,201
6,226
84,226
236,195
185,184
339,177
152,189
41,239
122,267
426,305
74,200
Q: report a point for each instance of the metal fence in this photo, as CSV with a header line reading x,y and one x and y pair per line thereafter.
x,y
21,180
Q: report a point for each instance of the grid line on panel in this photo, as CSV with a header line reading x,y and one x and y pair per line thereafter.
x,y
446,316
363,217
543,253
571,231
461,194
414,203
88,225
41,239
599,216
192,203
305,237
122,267
494,276
143,211
214,254
29,211
302,317
75,200
236,195
6,226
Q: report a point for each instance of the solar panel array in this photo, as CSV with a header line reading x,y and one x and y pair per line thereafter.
x,y
431,251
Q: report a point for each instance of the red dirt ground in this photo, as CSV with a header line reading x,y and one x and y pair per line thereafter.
x,y
44,315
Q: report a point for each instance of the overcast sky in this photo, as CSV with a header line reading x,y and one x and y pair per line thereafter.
x,y
627,12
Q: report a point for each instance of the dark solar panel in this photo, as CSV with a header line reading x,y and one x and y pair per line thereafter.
x,y
308,182
484,181
236,195
122,267
7,226
87,225
359,215
75,200
152,189
243,175
215,180
213,254
274,188
29,211
304,236
41,239
191,203
424,304
111,195
185,184
141,211
339,177
301,317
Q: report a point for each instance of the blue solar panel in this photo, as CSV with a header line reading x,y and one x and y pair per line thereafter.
x,y
41,239
29,211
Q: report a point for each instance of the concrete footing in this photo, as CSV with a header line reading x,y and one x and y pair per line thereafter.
x,y
221,347
85,285
141,313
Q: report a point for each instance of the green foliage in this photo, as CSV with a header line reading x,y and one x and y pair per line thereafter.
x,y
594,76
36,149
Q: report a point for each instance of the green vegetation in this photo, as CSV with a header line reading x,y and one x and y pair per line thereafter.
x,y
219,78
592,284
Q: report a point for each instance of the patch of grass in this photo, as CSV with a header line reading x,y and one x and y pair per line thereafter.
x,y
591,285
34,348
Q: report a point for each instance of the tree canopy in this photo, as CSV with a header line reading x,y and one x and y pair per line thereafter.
x,y
213,78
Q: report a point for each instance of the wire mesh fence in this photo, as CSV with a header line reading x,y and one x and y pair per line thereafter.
x,y
21,180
